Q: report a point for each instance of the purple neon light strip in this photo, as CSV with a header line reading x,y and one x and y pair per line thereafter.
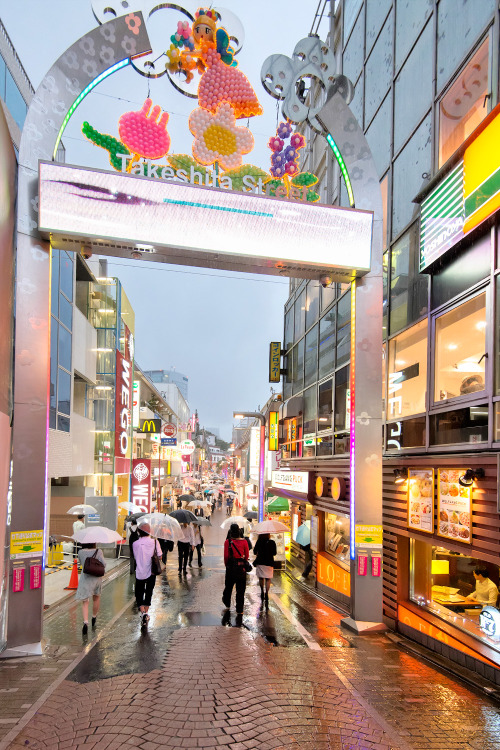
x,y
261,471
352,436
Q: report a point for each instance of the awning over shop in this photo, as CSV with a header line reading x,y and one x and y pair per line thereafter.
x,y
276,504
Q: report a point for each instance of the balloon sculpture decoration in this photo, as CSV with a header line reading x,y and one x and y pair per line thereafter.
x,y
225,96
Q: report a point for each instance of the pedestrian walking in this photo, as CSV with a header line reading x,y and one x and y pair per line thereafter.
x,y
235,557
264,551
198,544
89,586
133,537
167,546
77,525
145,580
184,544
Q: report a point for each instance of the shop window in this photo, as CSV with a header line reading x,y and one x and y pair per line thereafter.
x,y
344,329
300,315
409,433
462,272
298,366
325,405
469,425
463,106
3,69
455,587
14,100
66,275
288,329
342,395
460,349
63,391
408,292
309,423
328,295
312,303
324,445
407,376
337,537
54,284
326,343
385,295
311,357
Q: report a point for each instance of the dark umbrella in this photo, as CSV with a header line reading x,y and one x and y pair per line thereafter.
x,y
186,498
135,516
202,521
251,515
184,516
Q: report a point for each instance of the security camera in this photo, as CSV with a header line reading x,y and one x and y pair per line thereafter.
x,y
325,281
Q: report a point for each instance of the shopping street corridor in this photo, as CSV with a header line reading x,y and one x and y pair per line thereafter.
x,y
199,677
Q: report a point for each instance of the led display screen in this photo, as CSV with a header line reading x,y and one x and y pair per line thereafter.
x,y
189,224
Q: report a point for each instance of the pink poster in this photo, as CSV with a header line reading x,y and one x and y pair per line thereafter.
x,y
376,566
362,564
18,579
35,576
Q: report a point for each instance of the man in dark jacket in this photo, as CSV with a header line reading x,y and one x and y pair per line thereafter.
x,y
235,555
134,536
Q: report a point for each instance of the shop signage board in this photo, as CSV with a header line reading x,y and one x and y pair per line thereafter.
x,y
442,218
186,447
421,500
295,481
136,402
168,441
454,506
331,575
337,488
123,403
275,361
489,622
26,544
254,453
273,430
320,485
368,536
150,426
482,176
314,533
168,430
140,491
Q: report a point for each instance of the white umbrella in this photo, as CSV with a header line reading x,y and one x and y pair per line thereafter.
x,y
199,504
128,506
240,520
161,526
81,510
269,527
96,535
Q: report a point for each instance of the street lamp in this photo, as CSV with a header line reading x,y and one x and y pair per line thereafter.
x,y
262,453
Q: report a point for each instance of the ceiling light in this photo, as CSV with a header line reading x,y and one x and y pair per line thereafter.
x,y
400,475
470,476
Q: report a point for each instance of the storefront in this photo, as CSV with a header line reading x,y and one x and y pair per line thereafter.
x,y
292,486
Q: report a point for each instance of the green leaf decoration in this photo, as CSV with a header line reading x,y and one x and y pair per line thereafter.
x,y
272,186
312,197
304,179
110,144
185,162
237,176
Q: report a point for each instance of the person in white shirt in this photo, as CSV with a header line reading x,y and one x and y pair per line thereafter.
x,y
185,543
77,525
486,592
145,580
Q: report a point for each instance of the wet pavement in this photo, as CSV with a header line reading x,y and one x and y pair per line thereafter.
x,y
285,676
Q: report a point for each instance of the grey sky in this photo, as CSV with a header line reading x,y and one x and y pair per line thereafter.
x,y
213,326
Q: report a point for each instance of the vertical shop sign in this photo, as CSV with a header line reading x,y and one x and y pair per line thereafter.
x,y
136,398
273,430
254,453
123,388
275,361
140,493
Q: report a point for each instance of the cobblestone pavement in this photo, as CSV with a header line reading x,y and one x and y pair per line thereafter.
x,y
203,678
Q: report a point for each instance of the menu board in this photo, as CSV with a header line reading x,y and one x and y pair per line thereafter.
x,y
421,500
454,506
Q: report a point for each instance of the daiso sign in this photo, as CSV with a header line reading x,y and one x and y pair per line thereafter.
x,y
122,412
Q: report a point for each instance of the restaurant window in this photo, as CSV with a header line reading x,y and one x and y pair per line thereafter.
x,y
300,315
337,537
325,405
407,377
460,350
409,433
408,287
469,425
342,411
309,423
463,106
311,357
455,587
324,445
298,366
343,329
326,361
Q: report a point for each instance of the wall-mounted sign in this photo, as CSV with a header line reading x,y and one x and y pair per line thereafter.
x,y
314,532
150,427
35,576
186,447
376,565
337,490
140,491
454,506
26,544
136,402
168,441
18,578
168,430
123,402
275,361
254,454
442,218
331,575
320,485
482,175
362,562
273,430
295,481
421,500
368,536
489,622
246,231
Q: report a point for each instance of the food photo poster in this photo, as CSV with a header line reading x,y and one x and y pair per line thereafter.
x,y
454,506
420,499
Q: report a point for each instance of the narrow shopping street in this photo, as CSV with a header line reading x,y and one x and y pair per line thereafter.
x,y
283,677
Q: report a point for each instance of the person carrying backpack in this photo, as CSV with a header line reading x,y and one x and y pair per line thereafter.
x,y
236,560
90,584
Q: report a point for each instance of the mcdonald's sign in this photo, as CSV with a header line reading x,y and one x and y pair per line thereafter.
x,y
150,426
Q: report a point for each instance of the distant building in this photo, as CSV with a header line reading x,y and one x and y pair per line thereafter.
x,y
214,430
170,376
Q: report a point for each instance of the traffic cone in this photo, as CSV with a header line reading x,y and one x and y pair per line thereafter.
x,y
73,581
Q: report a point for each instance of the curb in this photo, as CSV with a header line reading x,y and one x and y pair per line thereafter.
x,y
50,609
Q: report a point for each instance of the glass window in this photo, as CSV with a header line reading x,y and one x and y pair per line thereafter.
x,y
344,329
410,433
337,536
413,88
312,303
325,405
3,69
311,357
379,70
300,315
52,419
468,425
64,356
309,422
407,372
327,343
408,296
342,406
66,275
379,137
328,295
64,392
14,101
324,445
63,423
54,284
460,346
461,272
455,587
65,312
410,18
53,362
298,366
351,10
375,15
462,107
385,294
411,163
288,329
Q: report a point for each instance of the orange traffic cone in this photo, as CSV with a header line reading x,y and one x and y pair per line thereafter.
x,y
73,581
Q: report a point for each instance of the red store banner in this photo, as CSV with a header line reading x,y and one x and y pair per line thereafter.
x,y
140,490
123,400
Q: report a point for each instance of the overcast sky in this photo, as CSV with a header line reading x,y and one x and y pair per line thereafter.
x,y
213,326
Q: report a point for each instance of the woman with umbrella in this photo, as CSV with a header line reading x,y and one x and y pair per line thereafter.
x,y
89,586
264,551
185,545
145,580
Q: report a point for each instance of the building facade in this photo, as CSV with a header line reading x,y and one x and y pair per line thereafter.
x,y
164,377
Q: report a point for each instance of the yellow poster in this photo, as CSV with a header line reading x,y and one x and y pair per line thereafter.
x,y
26,544
368,536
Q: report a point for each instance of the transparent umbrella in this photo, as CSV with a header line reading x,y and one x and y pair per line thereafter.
x,y
96,535
161,526
240,520
199,504
81,510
